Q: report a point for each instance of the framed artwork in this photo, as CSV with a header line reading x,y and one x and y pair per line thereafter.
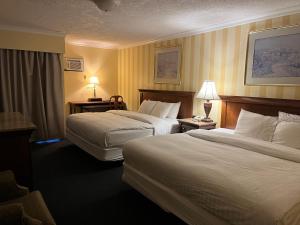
x,y
73,64
167,65
273,57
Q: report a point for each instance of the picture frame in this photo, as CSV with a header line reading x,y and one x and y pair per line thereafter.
x,y
273,57
168,65
73,64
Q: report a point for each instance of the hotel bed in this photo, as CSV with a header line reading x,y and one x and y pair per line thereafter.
x,y
219,177
103,134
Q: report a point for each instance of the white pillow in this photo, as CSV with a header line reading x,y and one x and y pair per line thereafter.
x,y
161,109
282,116
287,133
173,113
147,106
255,125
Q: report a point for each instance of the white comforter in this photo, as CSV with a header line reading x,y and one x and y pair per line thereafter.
x,y
115,127
243,181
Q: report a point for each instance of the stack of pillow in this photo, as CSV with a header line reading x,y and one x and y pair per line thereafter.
x,y
284,129
160,109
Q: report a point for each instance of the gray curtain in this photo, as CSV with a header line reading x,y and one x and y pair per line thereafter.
x,y
32,83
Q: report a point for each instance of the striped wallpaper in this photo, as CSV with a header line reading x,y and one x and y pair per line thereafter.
x,y
219,55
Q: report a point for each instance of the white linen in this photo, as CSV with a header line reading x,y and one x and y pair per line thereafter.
x,y
159,126
168,199
223,130
250,144
101,153
287,133
287,130
147,106
115,127
173,124
243,181
288,117
173,113
161,109
255,125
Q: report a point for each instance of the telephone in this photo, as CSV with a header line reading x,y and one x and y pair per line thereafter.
x,y
197,118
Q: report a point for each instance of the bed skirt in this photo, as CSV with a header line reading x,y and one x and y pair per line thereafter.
x,y
103,154
167,199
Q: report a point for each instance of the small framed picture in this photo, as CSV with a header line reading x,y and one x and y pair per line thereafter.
x,y
73,64
167,65
273,57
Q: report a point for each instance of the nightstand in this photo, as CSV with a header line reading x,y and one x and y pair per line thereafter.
x,y
190,124
101,106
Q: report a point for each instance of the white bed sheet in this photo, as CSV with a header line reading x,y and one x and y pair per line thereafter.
x,y
224,130
99,133
173,125
168,199
104,154
242,181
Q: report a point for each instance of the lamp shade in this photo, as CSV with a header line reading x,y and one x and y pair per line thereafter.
x,y
208,91
94,80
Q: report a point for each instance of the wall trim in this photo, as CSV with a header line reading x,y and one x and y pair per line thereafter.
x,y
30,30
88,45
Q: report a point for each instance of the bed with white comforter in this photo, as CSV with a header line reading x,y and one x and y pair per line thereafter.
x,y
103,134
213,178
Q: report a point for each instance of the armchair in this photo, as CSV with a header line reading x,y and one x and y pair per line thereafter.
x,y
19,206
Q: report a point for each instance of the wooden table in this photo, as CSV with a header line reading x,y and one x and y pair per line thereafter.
x,y
101,106
190,124
15,153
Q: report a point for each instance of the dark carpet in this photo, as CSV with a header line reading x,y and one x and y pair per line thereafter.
x,y
80,190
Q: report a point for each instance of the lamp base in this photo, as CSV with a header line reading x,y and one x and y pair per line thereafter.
x,y
207,120
94,99
207,108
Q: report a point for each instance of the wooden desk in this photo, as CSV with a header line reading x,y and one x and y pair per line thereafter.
x,y
15,154
82,106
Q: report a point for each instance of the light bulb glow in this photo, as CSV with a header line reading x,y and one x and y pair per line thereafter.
x,y
94,80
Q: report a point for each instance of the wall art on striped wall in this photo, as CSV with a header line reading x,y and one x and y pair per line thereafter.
x,y
218,55
167,65
274,57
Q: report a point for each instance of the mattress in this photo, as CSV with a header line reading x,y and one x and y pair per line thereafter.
x,y
168,199
217,178
223,130
103,134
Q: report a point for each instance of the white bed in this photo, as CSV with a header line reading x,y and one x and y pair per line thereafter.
x,y
249,176
217,178
103,134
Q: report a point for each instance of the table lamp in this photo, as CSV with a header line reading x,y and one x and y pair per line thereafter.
x,y
94,81
208,92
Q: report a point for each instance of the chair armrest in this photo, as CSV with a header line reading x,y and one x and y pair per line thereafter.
x,y
9,189
11,213
14,213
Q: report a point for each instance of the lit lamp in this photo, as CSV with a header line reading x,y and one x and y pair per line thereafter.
x,y
94,81
208,92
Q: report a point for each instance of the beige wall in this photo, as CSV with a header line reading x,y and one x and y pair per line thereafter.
x,y
218,55
32,41
100,62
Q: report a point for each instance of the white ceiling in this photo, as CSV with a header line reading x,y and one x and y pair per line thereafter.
x,y
134,21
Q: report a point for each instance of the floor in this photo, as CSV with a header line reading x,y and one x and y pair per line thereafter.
x,y
80,190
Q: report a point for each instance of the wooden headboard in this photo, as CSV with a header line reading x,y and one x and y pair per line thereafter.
x,y
185,97
232,105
